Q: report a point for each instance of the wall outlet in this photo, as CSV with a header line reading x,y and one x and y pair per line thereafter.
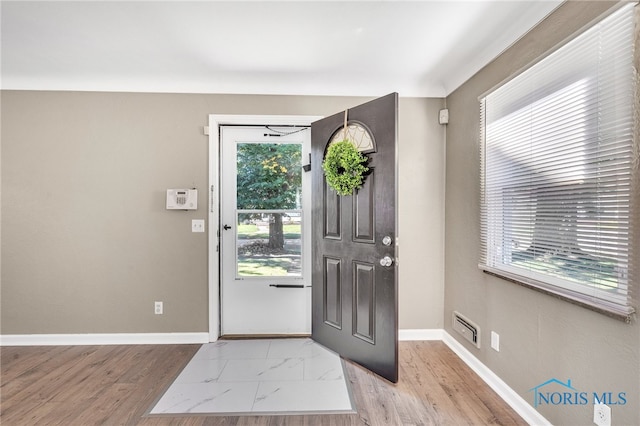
x,y
197,225
602,414
495,341
158,309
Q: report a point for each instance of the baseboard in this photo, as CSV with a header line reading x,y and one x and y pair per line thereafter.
x,y
155,338
420,334
515,401
103,339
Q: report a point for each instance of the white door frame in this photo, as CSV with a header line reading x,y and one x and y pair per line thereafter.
x,y
215,121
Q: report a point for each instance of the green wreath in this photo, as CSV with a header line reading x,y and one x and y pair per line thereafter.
x,y
344,167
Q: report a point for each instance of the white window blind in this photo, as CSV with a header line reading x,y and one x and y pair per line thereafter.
x,y
558,170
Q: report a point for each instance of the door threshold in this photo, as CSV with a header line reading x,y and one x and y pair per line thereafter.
x,y
263,336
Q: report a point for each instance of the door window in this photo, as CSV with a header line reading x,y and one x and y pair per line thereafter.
x,y
269,210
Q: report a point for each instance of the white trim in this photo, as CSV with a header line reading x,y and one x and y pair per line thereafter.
x,y
420,334
515,401
103,339
215,121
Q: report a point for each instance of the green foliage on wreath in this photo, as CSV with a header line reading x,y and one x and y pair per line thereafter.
x,y
344,167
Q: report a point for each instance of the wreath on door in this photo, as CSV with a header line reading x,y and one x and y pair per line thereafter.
x,y
344,167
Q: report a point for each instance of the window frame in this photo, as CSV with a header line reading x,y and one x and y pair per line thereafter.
x,y
547,283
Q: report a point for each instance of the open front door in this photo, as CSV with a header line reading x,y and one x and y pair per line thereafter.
x,y
354,295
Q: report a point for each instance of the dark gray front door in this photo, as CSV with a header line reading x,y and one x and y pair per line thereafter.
x,y
354,296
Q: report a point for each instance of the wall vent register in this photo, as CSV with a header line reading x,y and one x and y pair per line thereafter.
x,y
468,329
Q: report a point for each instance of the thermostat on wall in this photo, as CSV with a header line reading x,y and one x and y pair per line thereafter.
x,y
182,199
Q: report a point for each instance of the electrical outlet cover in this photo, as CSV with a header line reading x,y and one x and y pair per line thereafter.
x,y
602,414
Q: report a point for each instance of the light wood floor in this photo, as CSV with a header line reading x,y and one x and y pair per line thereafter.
x,y
116,385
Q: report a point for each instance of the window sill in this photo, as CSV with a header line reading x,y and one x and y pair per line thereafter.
x,y
612,312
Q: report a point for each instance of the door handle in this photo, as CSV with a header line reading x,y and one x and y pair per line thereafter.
x,y
226,227
386,261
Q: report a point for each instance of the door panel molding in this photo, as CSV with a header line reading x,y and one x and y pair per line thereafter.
x,y
364,301
364,211
332,292
331,213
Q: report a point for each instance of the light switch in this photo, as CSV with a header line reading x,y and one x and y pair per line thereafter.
x,y
197,225
495,341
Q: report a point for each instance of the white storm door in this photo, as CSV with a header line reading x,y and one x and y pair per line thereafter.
x,y
265,230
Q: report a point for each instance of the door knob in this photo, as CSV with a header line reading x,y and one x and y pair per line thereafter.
x,y
386,261
226,227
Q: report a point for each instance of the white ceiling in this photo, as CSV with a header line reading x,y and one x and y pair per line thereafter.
x,y
365,48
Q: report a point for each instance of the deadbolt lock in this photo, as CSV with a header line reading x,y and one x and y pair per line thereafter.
x,y
386,261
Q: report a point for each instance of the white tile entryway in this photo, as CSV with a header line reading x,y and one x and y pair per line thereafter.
x,y
262,376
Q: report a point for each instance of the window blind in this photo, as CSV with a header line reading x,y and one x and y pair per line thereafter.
x,y
558,170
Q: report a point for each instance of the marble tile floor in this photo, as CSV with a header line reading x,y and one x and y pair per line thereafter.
x,y
260,376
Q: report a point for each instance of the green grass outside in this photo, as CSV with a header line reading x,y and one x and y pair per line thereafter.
x,y
247,232
264,267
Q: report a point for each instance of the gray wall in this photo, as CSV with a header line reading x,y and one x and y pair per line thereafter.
x,y
541,337
87,245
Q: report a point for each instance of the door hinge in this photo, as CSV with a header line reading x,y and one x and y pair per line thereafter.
x,y
211,196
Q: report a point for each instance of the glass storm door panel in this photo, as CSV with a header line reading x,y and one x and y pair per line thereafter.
x,y
265,248
269,210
